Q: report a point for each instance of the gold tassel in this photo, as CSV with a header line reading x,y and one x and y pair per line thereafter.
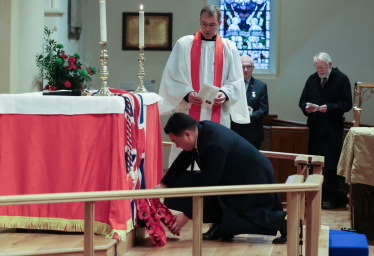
x,y
62,225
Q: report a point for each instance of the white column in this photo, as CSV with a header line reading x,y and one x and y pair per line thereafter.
x,y
30,42
22,26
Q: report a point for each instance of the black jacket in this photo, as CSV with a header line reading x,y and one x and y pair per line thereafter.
x,y
225,158
326,129
258,100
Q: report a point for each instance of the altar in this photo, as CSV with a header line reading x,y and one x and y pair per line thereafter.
x,y
356,164
56,144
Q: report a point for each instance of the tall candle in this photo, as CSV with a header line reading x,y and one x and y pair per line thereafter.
x,y
141,26
102,21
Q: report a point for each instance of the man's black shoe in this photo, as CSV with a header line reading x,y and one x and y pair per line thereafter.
x,y
280,240
215,233
283,230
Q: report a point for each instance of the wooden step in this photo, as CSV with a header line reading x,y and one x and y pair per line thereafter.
x,y
36,242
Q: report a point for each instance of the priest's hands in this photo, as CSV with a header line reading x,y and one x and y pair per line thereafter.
x,y
220,99
194,99
161,185
180,220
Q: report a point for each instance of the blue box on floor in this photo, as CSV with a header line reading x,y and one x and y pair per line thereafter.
x,y
343,243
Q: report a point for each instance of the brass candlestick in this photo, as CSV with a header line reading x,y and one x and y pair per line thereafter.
x,y
141,74
104,74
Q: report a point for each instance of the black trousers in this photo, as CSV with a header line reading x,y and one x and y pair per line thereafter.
x,y
331,186
219,211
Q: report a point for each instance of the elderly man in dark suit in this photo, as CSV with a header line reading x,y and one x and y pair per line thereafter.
x,y
224,158
257,99
326,97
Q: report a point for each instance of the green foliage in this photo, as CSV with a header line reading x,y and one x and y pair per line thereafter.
x,y
59,68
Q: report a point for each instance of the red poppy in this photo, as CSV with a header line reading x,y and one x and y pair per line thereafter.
x,y
46,87
160,213
63,56
52,88
144,214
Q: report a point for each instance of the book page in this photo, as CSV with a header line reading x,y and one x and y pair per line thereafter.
x,y
208,93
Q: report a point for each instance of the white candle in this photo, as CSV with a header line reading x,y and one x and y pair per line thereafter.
x,y
141,26
102,21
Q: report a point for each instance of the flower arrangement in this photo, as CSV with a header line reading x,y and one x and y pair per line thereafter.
x,y
60,70
153,212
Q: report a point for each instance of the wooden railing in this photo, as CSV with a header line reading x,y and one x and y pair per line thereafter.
x,y
293,187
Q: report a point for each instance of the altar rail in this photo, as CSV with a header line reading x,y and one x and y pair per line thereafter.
x,y
293,187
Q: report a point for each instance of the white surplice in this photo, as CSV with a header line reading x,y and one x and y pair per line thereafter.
x,y
176,82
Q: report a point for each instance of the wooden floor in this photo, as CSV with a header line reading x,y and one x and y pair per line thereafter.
x,y
243,244
46,243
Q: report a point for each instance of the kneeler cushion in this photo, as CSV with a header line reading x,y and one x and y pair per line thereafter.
x,y
343,243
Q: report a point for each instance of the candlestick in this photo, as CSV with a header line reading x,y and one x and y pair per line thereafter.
x,y
103,21
104,74
141,26
141,74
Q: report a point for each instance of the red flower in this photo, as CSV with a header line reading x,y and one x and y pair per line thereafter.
x,y
80,67
52,88
144,213
46,87
160,213
150,223
89,71
71,63
63,56
142,203
67,84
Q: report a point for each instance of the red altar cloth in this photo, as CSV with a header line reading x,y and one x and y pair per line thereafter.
x,y
71,153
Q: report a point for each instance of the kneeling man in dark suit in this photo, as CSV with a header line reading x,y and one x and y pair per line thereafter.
x,y
224,158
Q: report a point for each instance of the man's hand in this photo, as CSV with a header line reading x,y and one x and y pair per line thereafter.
x,y
180,220
309,109
161,185
194,99
220,99
322,109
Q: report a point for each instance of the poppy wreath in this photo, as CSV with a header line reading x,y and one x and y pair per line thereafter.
x,y
152,212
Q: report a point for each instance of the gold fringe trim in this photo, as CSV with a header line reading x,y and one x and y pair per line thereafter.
x,y
62,225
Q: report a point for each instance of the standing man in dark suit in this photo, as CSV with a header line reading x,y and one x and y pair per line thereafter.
x,y
326,97
257,99
224,159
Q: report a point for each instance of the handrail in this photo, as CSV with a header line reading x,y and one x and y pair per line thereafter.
x,y
313,186
270,154
153,193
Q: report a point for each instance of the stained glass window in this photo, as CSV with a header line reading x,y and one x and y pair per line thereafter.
x,y
247,23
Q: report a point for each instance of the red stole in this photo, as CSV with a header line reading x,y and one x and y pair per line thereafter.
x,y
195,74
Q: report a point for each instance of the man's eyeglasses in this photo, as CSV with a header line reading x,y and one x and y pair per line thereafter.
x,y
211,26
321,67
247,67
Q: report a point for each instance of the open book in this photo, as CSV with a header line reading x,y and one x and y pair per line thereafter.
x,y
208,92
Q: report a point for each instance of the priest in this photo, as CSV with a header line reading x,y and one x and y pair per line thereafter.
x,y
204,58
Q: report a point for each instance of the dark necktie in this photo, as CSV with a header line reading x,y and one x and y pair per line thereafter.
x,y
323,82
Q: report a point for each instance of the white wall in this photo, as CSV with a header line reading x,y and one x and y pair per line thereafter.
x,y
123,65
